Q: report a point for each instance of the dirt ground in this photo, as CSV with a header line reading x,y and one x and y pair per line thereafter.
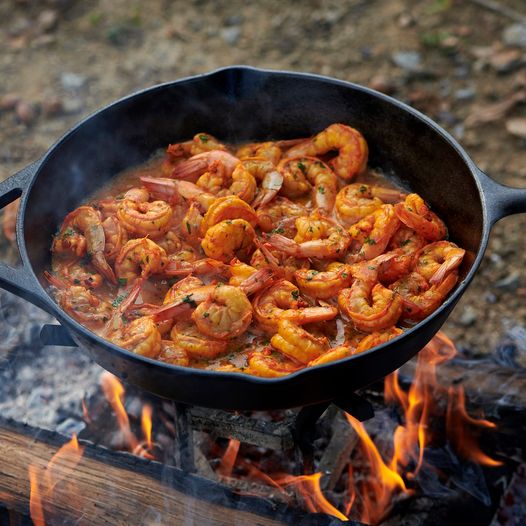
x,y
458,62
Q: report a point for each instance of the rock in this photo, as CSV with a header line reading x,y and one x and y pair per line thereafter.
x,y
506,60
406,20
52,106
72,81
9,101
517,127
468,317
515,35
25,112
47,20
408,60
231,34
510,282
71,105
465,94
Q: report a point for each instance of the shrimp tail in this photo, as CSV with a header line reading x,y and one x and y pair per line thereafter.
x,y
162,188
258,281
284,244
190,170
451,264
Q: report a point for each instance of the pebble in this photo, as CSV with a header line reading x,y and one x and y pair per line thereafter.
x,y
25,112
71,105
509,283
9,101
515,35
465,94
408,60
47,20
52,106
468,317
231,34
517,126
72,81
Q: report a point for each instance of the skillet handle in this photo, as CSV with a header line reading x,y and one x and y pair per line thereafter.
x,y
20,280
501,200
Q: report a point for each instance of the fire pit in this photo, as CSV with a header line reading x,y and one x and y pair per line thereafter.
x,y
79,447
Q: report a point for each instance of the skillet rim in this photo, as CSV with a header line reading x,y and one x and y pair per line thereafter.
x,y
65,319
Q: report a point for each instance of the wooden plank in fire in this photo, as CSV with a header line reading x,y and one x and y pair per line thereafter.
x,y
115,488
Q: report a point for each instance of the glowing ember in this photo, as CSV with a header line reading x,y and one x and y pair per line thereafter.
x,y
229,458
458,422
146,423
44,480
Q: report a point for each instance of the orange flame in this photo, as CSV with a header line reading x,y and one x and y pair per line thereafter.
x,y
146,423
229,458
114,392
44,480
457,422
309,488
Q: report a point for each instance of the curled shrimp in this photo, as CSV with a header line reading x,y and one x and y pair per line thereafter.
x,y
420,298
228,239
377,338
228,208
269,150
75,273
205,266
309,174
272,215
200,143
284,265
317,236
295,342
139,258
325,284
414,213
370,305
350,144
189,340
193,168
140,336
436,260
82,233
173,354
80,303
145,219
268,363
191,224
357,200
115,237
371,235
282,302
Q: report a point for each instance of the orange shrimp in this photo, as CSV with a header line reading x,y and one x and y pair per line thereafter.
x,y
228,208
193,168
414,213
188,339
270,150
145,219
139,255
304,174
268,363
356,201
436,260
350,144
325,284
173,354
228,239
272,215
377,338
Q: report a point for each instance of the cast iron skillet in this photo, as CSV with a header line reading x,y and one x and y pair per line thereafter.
x,y
241,104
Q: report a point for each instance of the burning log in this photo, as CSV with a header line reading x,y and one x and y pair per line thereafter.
x,y
139,488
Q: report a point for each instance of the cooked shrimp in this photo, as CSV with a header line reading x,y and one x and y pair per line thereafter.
x,y
309,174
371,235
228,239
82,233
414,213
436,260
176,267
193,168
282,264
350,144
189,340
297,343
173,190
225,208
171,243
271,364
186,284
191,224
370,305
271,215
81,303
419,298
140,336
326,284
282,302
333,355
173,354
357,200
75,273
115,237
317,236
145,219
139,258
377,338
270,150
200,143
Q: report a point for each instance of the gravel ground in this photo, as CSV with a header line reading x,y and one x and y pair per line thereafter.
x,y
459,63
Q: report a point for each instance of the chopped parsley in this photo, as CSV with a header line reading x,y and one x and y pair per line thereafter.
x,y
203,138
118,300
278,230
363,188
321,189
369,241
206,314
295,294
302,167
122,282
188,227
404,242
188,299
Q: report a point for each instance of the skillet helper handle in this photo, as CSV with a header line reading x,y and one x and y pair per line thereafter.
x,y
19,280
502,200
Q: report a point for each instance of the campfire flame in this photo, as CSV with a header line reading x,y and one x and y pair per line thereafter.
x,y
229,458
44,480
146,424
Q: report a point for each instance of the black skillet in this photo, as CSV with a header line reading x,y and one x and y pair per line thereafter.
x,y
246,104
